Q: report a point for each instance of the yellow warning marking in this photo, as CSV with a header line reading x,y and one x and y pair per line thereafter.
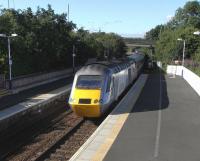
x,y
102,151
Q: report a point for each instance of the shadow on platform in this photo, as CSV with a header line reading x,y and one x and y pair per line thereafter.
x,y
154,95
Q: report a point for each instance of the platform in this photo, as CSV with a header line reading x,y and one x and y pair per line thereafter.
x,y
34,104
162,125
14,99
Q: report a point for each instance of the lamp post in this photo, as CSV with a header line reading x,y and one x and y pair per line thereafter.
x,y
196,33
73,57
9,57
179,39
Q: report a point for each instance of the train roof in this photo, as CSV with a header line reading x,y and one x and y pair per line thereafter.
x,y
115,66
136,56
103,67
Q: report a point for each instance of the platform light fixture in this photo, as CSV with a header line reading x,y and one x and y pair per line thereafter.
x,y
179,39
73,55
196,33
9,56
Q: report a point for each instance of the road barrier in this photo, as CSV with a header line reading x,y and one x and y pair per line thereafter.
x,y
188,75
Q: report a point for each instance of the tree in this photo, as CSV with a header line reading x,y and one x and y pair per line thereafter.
x,y
183,24
154,33
46,40
189,15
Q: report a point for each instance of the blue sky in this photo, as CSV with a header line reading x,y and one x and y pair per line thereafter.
x,y
125,17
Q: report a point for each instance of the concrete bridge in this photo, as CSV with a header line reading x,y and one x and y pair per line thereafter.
x,y
139,45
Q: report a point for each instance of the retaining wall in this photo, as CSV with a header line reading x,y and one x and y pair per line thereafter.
x,y
30,81
188,75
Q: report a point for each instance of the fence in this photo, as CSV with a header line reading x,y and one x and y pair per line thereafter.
x,y
190,64
2,81
33,80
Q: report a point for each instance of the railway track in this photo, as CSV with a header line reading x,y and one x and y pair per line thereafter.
x,y
70,143
59,140
42,140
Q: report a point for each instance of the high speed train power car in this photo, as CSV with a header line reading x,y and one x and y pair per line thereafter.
x,y
96,86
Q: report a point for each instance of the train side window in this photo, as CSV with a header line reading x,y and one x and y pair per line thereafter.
x,y
134,65
119,69
108,84
129,74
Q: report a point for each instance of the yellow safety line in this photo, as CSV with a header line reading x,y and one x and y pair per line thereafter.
x,y
103,149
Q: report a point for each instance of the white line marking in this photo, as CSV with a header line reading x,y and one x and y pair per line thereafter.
x,y
156,150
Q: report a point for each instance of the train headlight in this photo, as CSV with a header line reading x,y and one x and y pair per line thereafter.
x,y
96,101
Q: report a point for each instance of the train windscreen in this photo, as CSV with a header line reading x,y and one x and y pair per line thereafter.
x,y
89,82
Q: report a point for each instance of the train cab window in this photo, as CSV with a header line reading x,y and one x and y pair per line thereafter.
x,y
129,74
89,82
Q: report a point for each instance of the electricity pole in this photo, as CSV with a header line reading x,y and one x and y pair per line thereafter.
x,y
68,12
73,57
8,4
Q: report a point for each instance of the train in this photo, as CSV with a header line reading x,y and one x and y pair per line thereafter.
x,y
97,85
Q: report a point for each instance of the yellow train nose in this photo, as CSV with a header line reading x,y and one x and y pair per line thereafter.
x,y
86,102
86,110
